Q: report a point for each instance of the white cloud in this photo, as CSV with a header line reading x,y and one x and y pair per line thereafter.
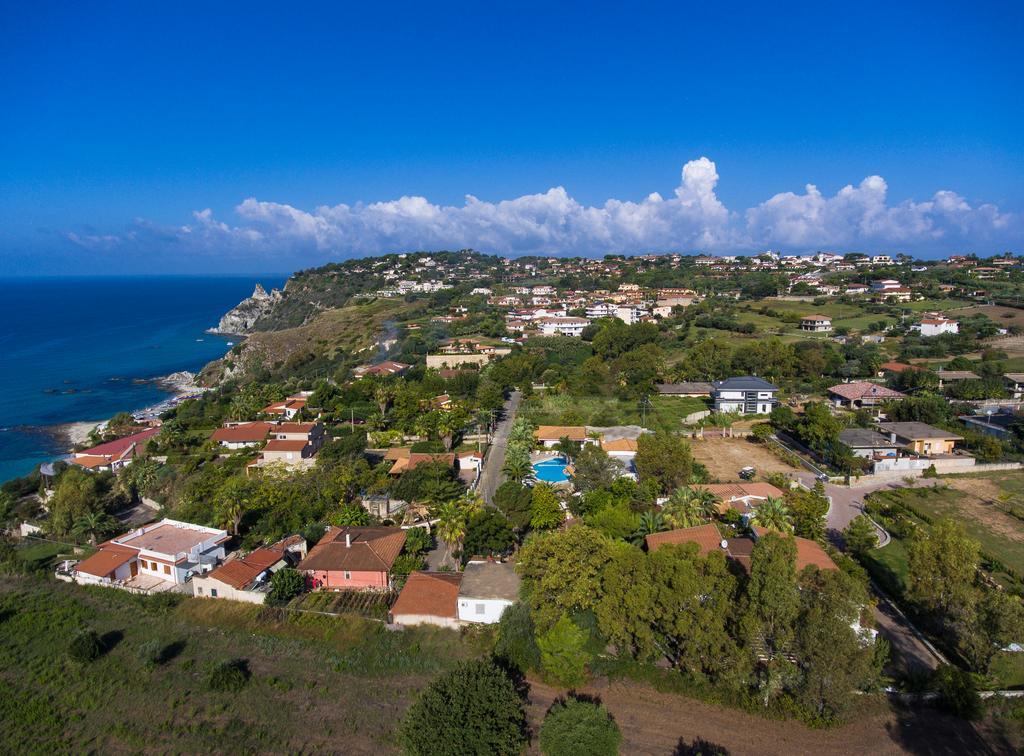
x,y
555,223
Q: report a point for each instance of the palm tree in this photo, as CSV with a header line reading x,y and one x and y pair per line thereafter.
x,y
450,424
384,394
94,524
517,468
451,525
707,502
650,522
685,509
774,514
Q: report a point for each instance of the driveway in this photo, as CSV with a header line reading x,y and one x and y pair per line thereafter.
x,y
490,476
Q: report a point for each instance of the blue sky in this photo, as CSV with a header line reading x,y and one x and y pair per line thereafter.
x,y
124,123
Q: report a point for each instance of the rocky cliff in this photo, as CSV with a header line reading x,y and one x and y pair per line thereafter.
x,y
241,319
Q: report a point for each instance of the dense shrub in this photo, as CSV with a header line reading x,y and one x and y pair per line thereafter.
x,y
579,726
229,676
285,585
516,644
474,709
85,647
150,653
957,691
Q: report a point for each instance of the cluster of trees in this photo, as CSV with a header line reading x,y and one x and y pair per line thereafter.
x,y
772,637
947,588
479,707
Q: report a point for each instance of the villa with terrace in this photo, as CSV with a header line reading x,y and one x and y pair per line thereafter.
x,y
158,557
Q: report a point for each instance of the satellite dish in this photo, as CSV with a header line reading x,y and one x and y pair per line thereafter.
x,y
724,544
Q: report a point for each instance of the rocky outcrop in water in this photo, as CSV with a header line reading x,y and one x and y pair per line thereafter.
x,y
241,319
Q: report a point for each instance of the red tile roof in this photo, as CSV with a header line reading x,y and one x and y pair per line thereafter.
x,y
862,389
243,433
285,445
434,594
372,549
118,447
706,537
238,573
106,560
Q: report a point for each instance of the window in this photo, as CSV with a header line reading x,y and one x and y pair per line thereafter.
x,y
199,590
213,593
348,575
143,563
167,569
480,609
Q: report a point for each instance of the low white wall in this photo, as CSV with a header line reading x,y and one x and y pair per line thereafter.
x,y
426,619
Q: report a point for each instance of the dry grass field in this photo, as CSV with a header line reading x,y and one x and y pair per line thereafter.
x,y
725,457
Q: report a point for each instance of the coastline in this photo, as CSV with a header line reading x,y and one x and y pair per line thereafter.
x,y
181,385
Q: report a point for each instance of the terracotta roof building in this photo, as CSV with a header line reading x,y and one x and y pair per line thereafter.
x,y
354,557
862,394
429,598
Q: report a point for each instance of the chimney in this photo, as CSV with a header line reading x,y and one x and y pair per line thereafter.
x,y
892,437
348,540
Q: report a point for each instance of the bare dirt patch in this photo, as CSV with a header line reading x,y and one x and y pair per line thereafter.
x,y
1004,316
664,723
725,457
981,502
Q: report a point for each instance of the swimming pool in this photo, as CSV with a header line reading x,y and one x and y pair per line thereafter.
x,y
551,470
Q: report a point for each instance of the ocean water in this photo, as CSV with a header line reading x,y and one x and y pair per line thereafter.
x,y
73,349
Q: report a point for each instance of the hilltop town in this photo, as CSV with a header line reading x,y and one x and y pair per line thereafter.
x,y
785,484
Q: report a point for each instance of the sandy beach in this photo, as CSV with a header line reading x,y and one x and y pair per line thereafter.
x,y
76,433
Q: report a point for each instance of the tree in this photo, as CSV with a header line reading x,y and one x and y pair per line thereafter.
x,y
349,515
233,500
688,507
834,659
860,536
561,572
772,600
807,511
85,646
473,709
285,584
451,424
451,525
594,469
417,541
516,643
428,481
773,513
94,524
517,467
650,522
997,621
577,726
942,569
563,653
487,533
76,493
516,503
545,510
664,459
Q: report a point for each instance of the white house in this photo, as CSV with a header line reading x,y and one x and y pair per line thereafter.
x,y
563,326
601,310
487,590
154,557
629,314
748,395
248,578
938,326
816,323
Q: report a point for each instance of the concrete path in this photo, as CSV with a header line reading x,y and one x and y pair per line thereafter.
x,y
491,475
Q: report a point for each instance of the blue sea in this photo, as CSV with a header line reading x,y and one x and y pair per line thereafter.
x,y
75,349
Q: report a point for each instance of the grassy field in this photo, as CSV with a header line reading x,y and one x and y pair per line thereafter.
x,y
317,683
665,412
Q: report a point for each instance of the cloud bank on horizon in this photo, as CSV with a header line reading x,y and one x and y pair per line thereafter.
x,y
694,219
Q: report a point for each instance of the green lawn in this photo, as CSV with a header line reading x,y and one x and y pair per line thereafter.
x,y
949,503
317,683
888,566
665,412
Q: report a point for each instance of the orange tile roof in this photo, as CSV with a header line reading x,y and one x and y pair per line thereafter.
x,y
106,560
415,459
620,445
809,552
434,594
372,549
557,432
285,445
238,573
706,537
245,432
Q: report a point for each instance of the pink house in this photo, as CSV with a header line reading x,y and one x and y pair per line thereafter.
x,y
354,558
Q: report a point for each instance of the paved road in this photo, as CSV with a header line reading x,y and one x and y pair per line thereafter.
x,y
490,477
848,502
908,651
